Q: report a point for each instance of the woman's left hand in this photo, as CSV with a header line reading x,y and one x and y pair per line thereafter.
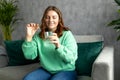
x,y
55,40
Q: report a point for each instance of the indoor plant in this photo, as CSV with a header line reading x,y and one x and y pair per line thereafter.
x,y
8,10
116,23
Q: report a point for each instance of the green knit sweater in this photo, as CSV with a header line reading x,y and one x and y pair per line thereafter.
x,y
51,59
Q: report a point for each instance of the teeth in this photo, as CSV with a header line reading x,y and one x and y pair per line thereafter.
x,y
52,22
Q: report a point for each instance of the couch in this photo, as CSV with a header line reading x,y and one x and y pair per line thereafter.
x,y
95,60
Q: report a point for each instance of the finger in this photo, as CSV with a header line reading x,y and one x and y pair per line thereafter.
x,y
54,39
36,26
32,24
28,25
51,37
55,42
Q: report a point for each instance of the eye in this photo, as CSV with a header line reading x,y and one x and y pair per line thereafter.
x,y
47,17
54,17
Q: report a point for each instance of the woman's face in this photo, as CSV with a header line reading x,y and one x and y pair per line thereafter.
x,y
52,20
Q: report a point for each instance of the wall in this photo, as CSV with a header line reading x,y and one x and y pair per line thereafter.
x,y
84,17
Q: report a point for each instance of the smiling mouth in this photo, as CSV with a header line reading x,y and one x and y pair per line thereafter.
x,y
51,23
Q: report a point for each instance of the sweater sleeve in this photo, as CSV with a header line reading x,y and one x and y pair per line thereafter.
x,y
68,50
30,49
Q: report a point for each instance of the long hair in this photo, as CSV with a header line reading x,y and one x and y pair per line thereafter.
x,y
60,27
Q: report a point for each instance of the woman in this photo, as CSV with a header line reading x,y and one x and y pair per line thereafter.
x,y
57,58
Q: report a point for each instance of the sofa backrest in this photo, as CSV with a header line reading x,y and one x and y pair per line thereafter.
x,y
88,38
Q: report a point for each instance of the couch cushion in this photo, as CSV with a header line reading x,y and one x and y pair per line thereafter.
x,y
3,61
87,53
17,72
15,53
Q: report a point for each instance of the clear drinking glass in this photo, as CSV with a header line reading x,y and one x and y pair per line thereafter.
x,y
47,34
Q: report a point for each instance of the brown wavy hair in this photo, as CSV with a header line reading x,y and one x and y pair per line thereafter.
x,y
60,27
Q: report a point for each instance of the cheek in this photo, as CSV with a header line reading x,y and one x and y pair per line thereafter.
x,y
46,22
57,21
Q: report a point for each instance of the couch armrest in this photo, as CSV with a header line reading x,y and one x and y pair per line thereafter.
x,y
103,67
3,61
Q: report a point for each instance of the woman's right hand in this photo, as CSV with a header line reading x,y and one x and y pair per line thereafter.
x,y
31,29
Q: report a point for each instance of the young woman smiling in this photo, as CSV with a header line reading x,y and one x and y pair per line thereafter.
x,y
57,58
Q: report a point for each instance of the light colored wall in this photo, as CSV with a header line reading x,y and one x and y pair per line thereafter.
x,y
84,17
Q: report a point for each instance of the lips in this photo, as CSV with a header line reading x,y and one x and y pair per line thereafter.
x,y
51,23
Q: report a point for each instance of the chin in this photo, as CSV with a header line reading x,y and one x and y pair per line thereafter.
x,y
51,27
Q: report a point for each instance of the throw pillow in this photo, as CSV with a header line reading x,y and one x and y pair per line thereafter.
x,y
15,53
87,53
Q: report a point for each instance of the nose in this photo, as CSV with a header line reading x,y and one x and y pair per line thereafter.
x,y
51,19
